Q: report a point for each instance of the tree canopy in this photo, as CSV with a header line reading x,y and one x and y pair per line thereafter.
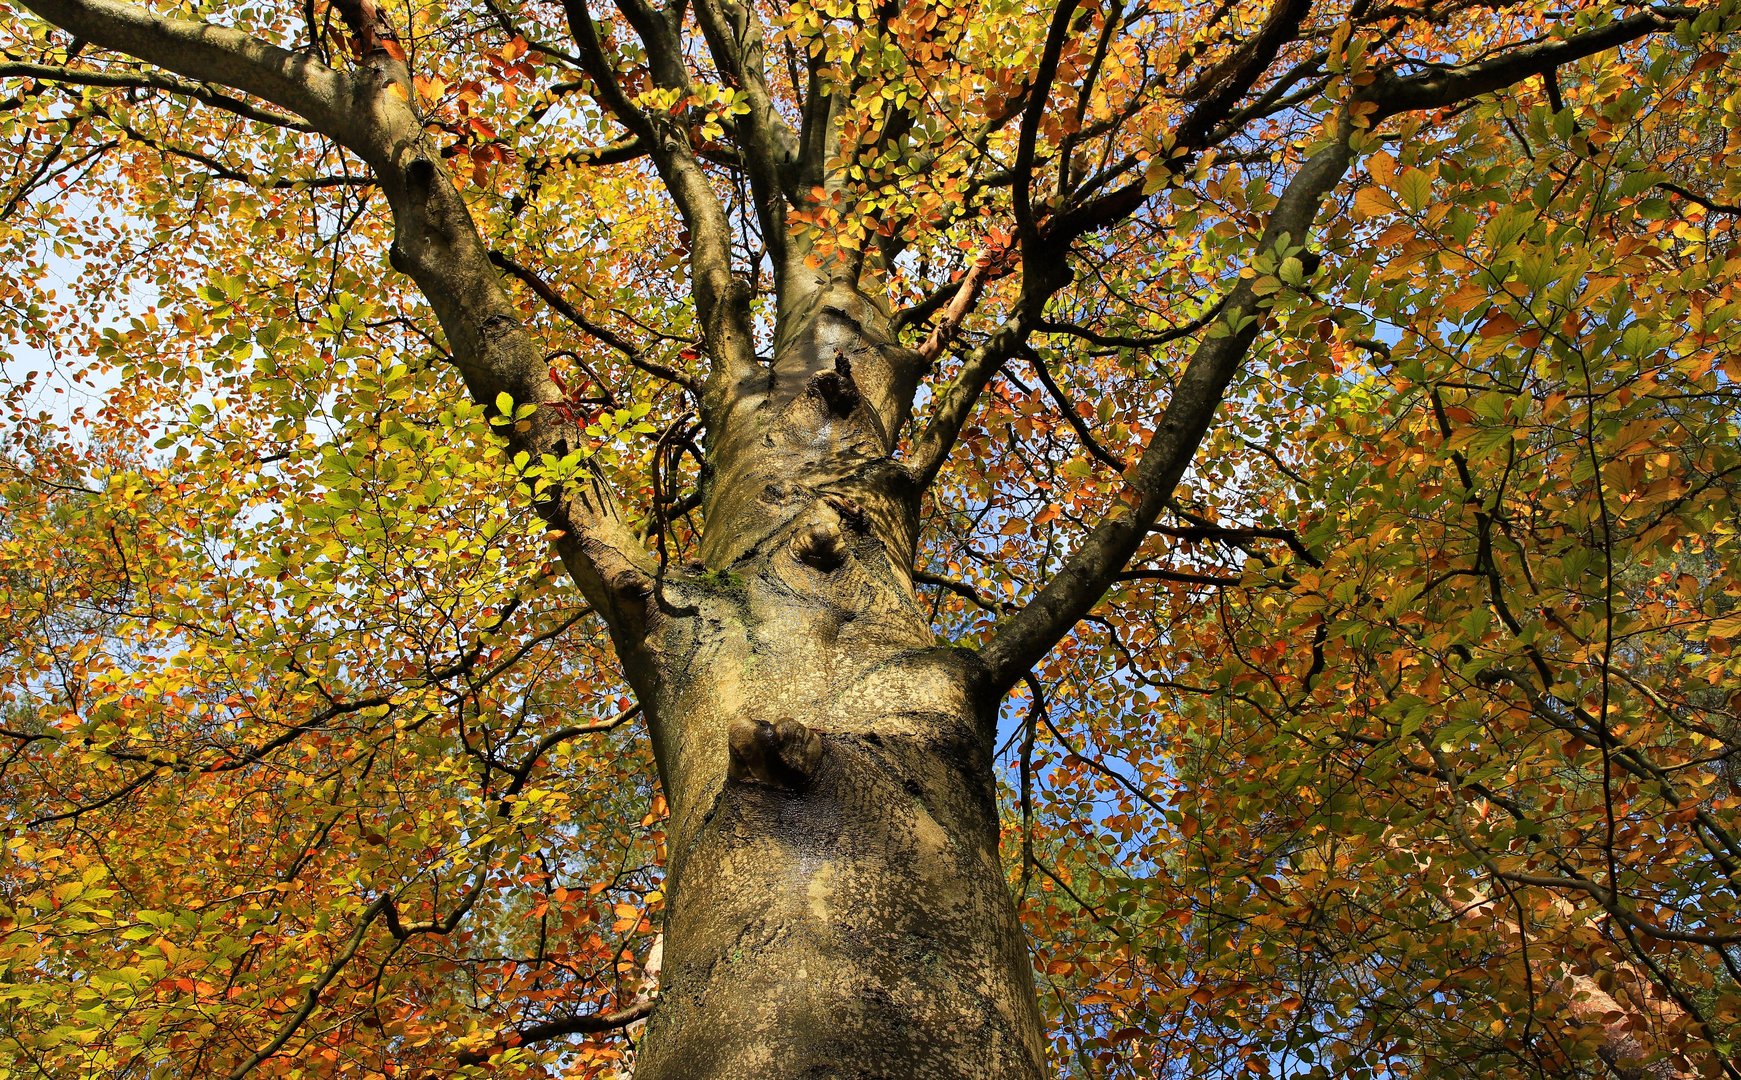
x,y
1324,421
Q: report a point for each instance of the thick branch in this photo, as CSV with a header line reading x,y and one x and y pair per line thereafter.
x,y
1022,639
209,53
1439,89
931,449
1222,88
960,306
1027,227
436,242
770,149
608,92
817,127
150,80
721,300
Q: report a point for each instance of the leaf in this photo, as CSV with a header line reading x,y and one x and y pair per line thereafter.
x,y
1415,188
1382,166
1373,202
1498,324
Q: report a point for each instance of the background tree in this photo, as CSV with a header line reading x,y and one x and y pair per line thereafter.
x,y
852,368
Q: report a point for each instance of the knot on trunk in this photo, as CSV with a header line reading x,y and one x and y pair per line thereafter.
x,y
419,176
783,754
497,326
820,544
839,394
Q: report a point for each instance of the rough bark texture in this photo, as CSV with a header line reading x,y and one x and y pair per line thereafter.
x,y
837,907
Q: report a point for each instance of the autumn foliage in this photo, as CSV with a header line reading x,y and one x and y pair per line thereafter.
x,y
1408,745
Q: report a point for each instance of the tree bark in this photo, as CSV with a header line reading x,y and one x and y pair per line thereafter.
x,y
836,902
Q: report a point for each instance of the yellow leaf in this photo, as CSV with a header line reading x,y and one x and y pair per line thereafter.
x,y
1382,167
1464,299
1372,202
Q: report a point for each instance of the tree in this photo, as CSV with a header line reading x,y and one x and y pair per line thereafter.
x,y
855,370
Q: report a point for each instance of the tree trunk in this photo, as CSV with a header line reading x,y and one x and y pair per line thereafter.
x,y
836,903
836,906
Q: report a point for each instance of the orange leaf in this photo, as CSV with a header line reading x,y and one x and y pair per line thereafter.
x,y
1498,324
